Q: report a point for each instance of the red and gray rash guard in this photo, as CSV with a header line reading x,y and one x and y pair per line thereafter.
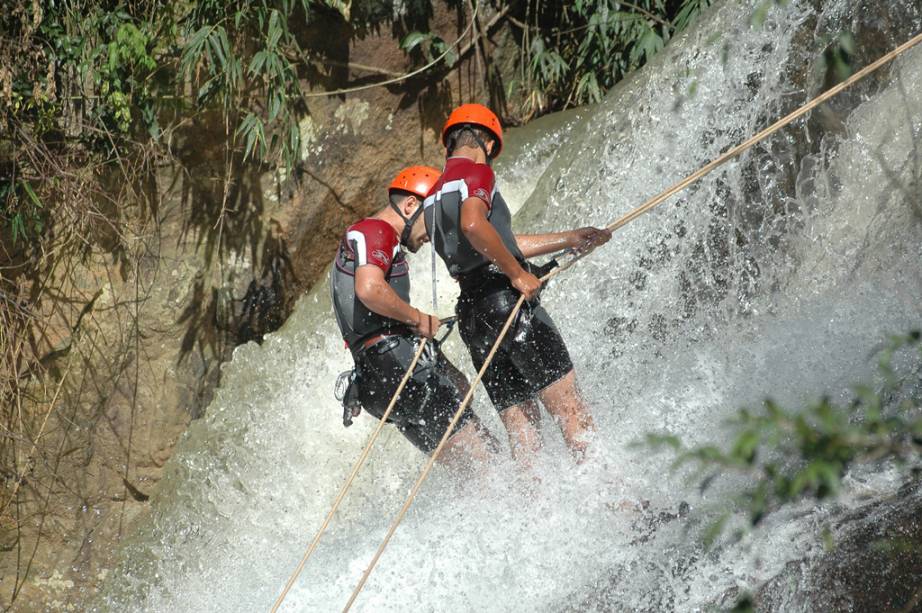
x,y
370,241
462,179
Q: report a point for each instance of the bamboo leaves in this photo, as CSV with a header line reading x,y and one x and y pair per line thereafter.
x,y
210,47
578,51
688,12
254,78
648,45
254,134
21,210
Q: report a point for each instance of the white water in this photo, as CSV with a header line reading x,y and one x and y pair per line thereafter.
x,y
763,280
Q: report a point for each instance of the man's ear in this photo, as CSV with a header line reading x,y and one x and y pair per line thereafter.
x,y
491,147
410,204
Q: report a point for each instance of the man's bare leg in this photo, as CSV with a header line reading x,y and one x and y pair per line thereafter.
x,y
472,444
563,400
521,421
469,448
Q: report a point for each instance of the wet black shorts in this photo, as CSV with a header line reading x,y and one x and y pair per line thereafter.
x,y
430,398
533,354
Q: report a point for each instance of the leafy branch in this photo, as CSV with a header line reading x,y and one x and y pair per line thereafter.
x,y
791,455
575,52
431,47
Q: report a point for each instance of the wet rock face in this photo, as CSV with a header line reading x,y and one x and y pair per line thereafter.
x,y
876,564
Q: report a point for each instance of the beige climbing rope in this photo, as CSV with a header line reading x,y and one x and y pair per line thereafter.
x,y
351,478
618,223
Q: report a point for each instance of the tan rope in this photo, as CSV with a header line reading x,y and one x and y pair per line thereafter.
x,y
351,478
622,221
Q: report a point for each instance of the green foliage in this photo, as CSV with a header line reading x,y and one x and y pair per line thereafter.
x,y
433,47
21,211
797,454
838,57
576,51
96,84
688,13
573,52
122,77
242,56
104,55
125,66
90,85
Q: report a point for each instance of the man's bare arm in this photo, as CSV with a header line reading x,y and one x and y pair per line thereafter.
x,y
486,240
532,245
374,292
581,239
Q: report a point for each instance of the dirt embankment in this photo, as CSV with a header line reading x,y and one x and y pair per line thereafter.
x,y
132,341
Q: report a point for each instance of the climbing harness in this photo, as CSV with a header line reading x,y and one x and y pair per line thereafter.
x,y
347,388
618,223
429,361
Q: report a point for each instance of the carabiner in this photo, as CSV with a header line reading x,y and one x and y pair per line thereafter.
x,y
449,324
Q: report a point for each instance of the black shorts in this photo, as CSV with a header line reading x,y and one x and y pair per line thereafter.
x,y
533,354
428,402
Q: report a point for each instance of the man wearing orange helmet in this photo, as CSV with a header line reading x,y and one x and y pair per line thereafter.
x,y
470,227
370,287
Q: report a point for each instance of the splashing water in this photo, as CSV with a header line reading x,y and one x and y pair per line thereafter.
x,y
776,275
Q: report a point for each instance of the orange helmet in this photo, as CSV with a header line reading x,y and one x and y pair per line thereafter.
x,y
417,180
475,115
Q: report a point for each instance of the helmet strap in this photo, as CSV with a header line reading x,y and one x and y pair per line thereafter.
x,y
477,139
408,222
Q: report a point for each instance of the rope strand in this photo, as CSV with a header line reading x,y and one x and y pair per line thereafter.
x,y
739,149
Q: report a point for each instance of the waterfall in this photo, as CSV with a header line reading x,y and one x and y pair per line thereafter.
x,y
775,276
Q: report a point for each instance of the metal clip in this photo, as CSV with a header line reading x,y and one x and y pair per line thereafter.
x,y
343,381
448,324
347,392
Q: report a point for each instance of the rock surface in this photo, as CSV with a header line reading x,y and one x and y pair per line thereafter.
x,y
874,565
